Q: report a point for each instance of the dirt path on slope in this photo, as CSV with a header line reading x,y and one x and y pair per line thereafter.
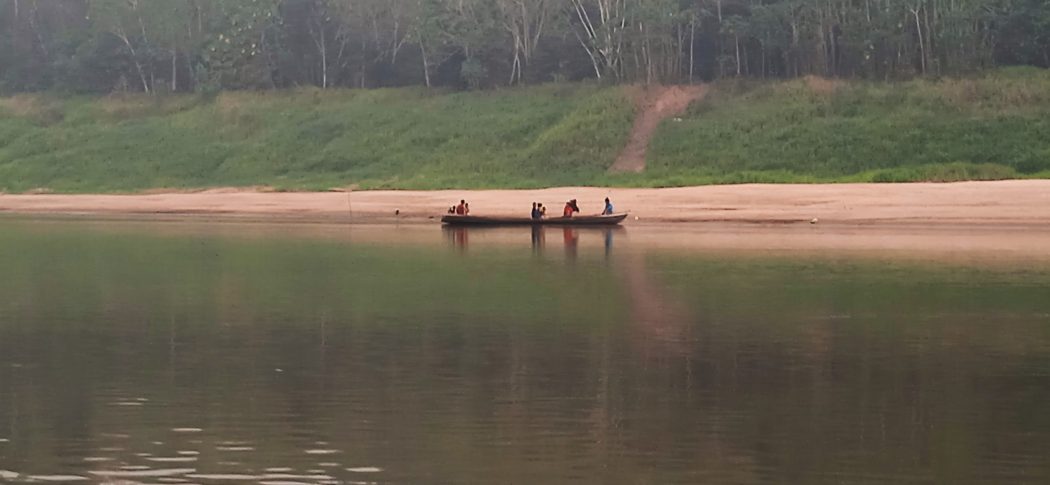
x,y
655,104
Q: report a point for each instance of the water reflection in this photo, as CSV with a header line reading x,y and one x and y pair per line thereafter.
x,y
539,238
210,358
458,237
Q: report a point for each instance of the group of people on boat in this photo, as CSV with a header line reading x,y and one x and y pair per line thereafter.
x,y
462,209
539,211
571,207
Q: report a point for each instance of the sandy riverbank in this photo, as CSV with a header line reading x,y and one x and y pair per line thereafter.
x,y
1018,203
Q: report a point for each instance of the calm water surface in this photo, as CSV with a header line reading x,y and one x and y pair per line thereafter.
x,y
236,353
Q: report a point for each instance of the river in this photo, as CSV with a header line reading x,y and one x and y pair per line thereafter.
x,y
177,352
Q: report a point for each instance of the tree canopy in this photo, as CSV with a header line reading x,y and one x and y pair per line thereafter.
x,y
105,46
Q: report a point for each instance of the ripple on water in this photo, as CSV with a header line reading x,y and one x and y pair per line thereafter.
x,y
8,475
235,448
189,453
57,478
97,459
279,469
172,459
223,477
365,469
187,430
290,476
321,452
150,473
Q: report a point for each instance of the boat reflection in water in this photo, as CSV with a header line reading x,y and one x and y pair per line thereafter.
x,y
458,237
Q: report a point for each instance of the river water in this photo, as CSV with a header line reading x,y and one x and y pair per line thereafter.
x,y
247,353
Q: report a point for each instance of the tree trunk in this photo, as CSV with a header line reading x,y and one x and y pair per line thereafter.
x,y
174,70
426,66
135,59
36,30
692,46
324,62
736,40
922,42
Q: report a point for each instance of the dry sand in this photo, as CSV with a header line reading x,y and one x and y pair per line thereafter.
x,y
1001,222
1009,203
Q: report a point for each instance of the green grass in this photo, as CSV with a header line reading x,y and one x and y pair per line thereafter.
x,y
989,128
996,126
396,138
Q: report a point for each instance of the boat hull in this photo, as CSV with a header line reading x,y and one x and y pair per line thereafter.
x,y
458,220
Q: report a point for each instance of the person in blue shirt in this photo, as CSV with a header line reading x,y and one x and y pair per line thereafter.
x,y
608,208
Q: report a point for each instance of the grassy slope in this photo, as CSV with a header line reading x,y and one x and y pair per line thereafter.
x,y
403,138
993,127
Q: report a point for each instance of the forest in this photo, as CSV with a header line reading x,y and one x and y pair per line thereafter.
x,y
157,46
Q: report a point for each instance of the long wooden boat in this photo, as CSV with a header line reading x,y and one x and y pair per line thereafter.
x,y
609,220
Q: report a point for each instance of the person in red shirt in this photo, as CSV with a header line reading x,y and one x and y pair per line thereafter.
x,y
570,207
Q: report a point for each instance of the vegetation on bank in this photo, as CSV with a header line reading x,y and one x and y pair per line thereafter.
x,y
312,139
808,130
992,127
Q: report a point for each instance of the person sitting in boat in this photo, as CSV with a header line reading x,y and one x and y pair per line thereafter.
x,y
452,209
608,208
570,207
461,209
542,208
535,210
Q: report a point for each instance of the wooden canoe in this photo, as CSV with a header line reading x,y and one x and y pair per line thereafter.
x,y
609,220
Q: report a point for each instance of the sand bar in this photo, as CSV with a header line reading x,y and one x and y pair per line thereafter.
x,y
1018,202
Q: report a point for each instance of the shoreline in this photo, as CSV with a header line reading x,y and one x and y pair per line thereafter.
x,y
1023,203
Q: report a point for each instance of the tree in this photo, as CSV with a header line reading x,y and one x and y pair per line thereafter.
x,y
237,53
